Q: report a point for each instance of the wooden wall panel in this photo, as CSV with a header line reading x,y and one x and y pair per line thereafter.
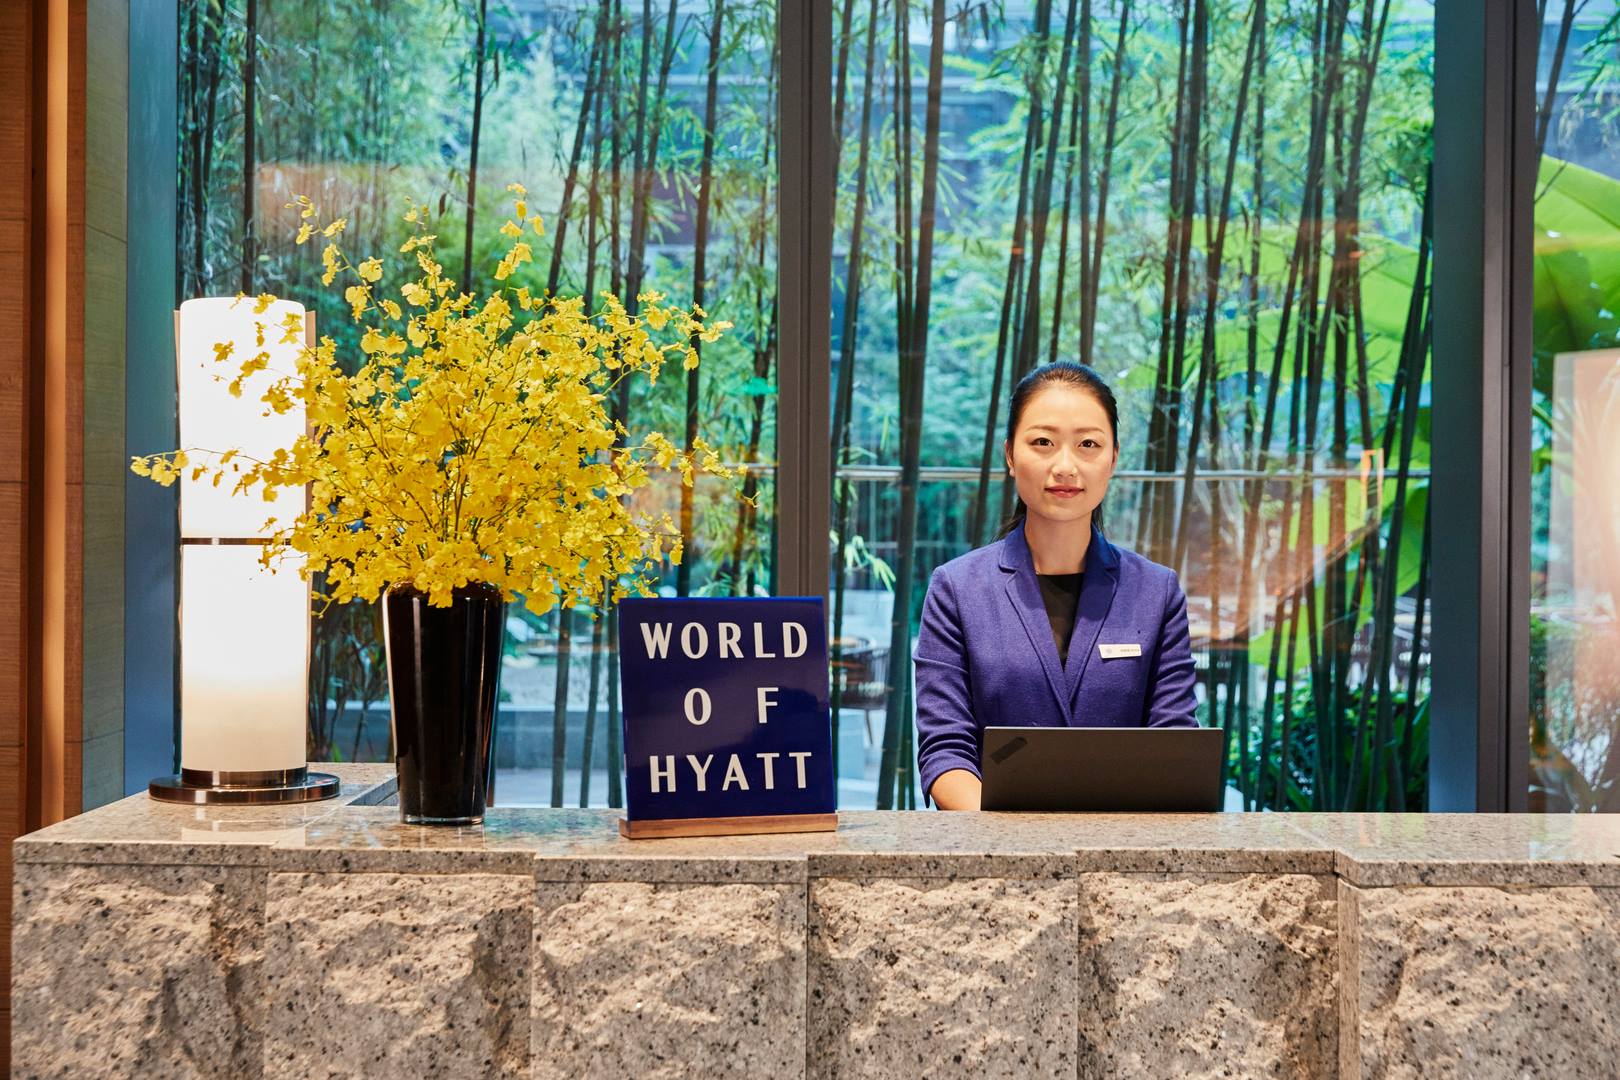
x,y
13,653
103,432
13,329
106,261
106,120
46,481
10,826
16,202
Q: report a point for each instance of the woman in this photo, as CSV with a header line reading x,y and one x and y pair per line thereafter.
x,y
1052,625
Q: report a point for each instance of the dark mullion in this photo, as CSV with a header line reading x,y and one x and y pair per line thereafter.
x,y
1484,170
804,272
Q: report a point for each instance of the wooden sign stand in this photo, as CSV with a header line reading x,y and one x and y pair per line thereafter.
x,y
727,826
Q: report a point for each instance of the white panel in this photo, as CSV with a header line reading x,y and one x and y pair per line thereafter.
x,y
1581,605
244,648
213,420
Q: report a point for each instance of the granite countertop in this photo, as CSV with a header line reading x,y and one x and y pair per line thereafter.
x,y
139,829
351,832
1470,849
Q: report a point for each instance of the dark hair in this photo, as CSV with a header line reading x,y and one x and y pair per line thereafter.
x,y
1068,373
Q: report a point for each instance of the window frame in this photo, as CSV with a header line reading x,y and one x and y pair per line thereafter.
x,y
1484,169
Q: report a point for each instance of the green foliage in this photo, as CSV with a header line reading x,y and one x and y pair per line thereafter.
x,y
1300,786
1577,264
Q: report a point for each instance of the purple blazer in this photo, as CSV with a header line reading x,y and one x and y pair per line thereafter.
x,y
985,655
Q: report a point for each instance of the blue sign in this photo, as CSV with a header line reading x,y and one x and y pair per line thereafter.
x,y
725,707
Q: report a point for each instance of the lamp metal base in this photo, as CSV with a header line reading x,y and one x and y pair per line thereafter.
x,y
198,787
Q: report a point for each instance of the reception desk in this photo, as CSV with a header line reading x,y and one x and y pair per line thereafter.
x,y
332,940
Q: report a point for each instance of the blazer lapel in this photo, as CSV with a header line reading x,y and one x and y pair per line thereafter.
x,y
1096,597
1024,593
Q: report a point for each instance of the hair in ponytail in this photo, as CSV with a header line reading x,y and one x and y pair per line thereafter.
x,y
1068,373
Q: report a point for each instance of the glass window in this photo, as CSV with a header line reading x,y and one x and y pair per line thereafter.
x,y
646,135
1575,444
1222,207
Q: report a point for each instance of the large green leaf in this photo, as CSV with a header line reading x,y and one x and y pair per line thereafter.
x,y
1406,570
1577,263
1387,269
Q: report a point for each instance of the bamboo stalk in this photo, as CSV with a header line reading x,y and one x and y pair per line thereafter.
x,y
640,209
1214,259
1397,798
1083,102
250,142
1280,795
1336,641
1415,350
764,349
683,572
1155,454
1345,295
1092,276
1030,331
1004,334
896,765
1327,33
571,176
844,401
621,401
615,167
472,149
612,19
588,744
1079,133
1275,659
841,82
899,628
593,204
190,140
615,734
559,714
211,47
1555,69
1170,444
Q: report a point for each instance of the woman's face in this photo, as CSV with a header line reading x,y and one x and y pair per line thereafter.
x,y
1063,454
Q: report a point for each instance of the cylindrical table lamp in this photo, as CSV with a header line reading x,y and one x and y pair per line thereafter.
x,y
244,631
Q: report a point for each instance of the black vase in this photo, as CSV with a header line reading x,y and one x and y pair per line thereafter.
x,y
444,667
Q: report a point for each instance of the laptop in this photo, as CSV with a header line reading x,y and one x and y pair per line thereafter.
x,y
1106,769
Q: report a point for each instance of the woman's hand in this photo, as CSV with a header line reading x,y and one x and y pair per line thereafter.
x,y
957,789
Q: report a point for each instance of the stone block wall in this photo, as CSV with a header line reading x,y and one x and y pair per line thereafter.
x,y
541,946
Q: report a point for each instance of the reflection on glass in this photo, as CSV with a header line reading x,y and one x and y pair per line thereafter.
x,y
646,136
1578,638
1222,207
1575,478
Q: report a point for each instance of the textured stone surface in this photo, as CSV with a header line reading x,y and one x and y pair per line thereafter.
x,y
642,980
1198,843
554,844
396,975
935,944
141,829
1486,982
1470,849
1207,976
137,971
585,845
943,978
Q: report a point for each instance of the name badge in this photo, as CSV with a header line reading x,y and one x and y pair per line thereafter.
x,y
1115,652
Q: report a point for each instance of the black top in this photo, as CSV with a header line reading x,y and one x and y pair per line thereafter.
x,y
1061,595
